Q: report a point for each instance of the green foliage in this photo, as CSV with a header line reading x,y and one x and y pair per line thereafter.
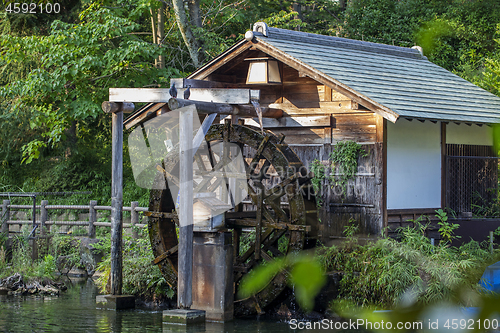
x,y
491,80
345,156
381,273
318,169
304,274
23,264
78,62
139,276
65,245
446,229
351,229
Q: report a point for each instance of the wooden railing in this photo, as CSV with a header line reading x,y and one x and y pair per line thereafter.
x,y
44,223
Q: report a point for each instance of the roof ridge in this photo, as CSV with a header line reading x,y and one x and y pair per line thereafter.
x,y
334,41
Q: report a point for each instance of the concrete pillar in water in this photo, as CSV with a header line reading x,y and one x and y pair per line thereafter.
x,y
213,275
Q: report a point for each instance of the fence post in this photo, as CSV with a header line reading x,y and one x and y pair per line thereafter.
x,y
43,215
92,218
134,218
5,217
491,241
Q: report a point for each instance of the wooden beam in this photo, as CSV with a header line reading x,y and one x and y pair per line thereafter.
x,y
142,116
307,121
185,249
220,95
158,95
443,165
116,202
328,94
379,121
384,175
110,107
223,108
184,83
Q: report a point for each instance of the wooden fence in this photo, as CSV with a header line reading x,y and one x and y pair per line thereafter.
x,y
43,224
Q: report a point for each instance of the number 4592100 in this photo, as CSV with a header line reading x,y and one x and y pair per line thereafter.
x,y
33,8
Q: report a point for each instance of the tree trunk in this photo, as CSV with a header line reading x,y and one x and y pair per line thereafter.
x,y
297,7
193,45
71,139
160,34
342,4
153,29
194,12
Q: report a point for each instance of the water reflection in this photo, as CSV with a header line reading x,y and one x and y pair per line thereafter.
x,y
76,311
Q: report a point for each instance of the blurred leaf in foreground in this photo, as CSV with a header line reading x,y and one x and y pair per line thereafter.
x,y
304,273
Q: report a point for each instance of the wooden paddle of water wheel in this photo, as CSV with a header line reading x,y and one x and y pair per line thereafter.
x,y
278,217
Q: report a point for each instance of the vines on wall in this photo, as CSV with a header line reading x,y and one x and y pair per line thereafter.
x,y
345,155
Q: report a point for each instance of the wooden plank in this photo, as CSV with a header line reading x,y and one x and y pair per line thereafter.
x,y
185,249
327,94
116,203
356,137
304,121
143,116
355,129
341,120
184,83
157,95
308,135
379,122
307,108
240,110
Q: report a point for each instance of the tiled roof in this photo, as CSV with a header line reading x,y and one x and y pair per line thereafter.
x,y
398,78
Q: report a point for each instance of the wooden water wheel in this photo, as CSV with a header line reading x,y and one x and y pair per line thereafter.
x,y
278,218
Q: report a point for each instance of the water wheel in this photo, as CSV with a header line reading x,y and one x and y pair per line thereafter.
x,y
278,218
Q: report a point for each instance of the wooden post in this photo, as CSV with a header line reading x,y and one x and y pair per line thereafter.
x,y
116,203
92,218
258,227
134,218
44,213
5,217
185,277
491,241
443,165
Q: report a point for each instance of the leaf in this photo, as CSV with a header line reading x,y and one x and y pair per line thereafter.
x,y
260,277
307,279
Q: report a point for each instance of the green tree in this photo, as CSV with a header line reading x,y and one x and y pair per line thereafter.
x,y
78,63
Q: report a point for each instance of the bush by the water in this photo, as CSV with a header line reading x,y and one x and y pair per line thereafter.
x,y
140,277
380,273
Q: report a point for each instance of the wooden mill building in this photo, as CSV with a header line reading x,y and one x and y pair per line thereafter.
x,y
426,130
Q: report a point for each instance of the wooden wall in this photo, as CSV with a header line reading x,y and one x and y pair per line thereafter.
x,y
316,118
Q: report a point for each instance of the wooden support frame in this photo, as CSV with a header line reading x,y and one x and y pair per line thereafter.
x,y
240,110
159,95
381,160
185,250
116,203
443,165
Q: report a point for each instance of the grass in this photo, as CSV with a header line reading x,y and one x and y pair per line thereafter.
x,y
382,273
140,277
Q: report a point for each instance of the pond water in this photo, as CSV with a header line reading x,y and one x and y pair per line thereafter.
x,y
75,311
